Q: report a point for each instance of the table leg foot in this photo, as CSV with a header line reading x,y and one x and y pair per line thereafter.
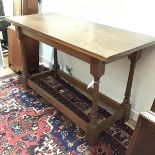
x,y
24,79
92,136
127,108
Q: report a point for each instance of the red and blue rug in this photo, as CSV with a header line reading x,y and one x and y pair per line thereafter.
x,y
31,126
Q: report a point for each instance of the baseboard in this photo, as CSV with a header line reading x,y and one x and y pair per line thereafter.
x,y
134,115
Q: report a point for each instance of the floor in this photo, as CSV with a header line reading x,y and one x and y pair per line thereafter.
x,y
7,71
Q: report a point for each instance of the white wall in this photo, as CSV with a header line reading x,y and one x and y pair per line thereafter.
x,y
8,7
133,15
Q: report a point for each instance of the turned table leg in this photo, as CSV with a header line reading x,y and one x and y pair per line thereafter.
x,y
126,102
153,106
96,70
25,72
56,65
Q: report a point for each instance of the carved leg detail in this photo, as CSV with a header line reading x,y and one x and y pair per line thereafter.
x,y
56,65
126,102
25,72
97,70
94,110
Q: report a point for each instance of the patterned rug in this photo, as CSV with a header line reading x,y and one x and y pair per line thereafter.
x,y
31,126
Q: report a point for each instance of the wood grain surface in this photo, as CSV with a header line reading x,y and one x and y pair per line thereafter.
x,y
99,41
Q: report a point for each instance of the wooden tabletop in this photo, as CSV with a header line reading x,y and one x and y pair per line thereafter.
x,y
99,41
